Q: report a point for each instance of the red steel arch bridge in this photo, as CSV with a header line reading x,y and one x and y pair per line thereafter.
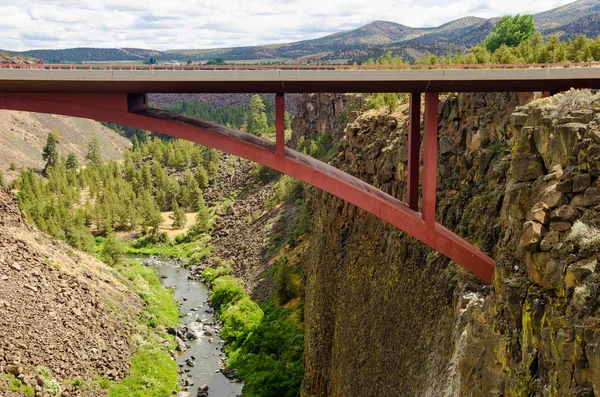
x,y
117,94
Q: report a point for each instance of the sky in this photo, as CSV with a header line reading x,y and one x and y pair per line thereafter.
x,y
192,24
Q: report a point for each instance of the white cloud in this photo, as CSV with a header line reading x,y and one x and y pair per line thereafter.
x,y
171,24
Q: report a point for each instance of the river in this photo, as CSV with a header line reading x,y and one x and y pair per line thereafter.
x,y
207,349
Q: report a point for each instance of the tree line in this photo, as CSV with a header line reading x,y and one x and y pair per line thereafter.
x,y
75,204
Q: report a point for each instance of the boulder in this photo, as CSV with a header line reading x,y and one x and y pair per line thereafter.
x,y
554,198
518,119
565,213
532,235
581,182
578,271
550,241
526,167
539,213
560,226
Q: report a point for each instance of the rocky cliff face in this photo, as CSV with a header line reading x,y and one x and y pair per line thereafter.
x,y
387,316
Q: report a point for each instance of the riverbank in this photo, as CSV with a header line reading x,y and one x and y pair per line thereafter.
x,y
153,371
199,350
264,344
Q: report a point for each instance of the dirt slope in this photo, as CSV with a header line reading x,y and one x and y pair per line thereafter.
x,y
59,309
23,136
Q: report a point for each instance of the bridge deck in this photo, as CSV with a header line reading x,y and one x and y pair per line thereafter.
x,y
276,80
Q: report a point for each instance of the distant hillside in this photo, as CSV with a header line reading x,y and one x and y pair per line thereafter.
x,y
371,40
23,136
566,14
588,26
5,57
91,54
378,32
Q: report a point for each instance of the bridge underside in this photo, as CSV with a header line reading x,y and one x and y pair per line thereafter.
x,y
132,110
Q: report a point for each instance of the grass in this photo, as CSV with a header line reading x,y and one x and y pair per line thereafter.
x,y
15,385
194,251
153,370
160,302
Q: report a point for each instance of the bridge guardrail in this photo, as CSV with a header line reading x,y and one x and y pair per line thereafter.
x,y
295,67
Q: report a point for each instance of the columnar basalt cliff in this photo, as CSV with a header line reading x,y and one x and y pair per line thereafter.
x,y
387,316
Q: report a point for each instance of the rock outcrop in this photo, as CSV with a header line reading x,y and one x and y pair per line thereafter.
x,y
387,316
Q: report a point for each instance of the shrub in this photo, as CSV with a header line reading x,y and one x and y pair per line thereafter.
x,y
571,100
584,235
240,319
270,359
210,274
153,374
226,290
113,250
159,301
51,386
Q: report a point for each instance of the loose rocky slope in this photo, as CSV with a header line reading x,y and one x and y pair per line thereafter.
x,y
23,136
387,316
59,309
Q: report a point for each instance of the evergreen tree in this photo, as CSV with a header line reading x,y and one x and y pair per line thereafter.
x,y
112,252
286,289
93,155
72,162
50,153
190,191
257,119
202,177
178,216
203,219
149,212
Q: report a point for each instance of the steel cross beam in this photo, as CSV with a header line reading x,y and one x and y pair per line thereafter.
x,y
132,110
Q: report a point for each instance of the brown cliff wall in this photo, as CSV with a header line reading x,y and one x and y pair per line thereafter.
x,y
387,316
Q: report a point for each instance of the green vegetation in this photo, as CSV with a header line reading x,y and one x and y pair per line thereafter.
x,y
263,343
257,119
51,385
112,250
286,289
75,204
15,385
322,148
178,216
153,371
510,31
50,153
534,50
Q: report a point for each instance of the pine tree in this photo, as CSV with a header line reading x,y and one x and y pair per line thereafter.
x,y
178,216
257,119
286,289
93,155
202,177
203,219
149,212
72,162
50,153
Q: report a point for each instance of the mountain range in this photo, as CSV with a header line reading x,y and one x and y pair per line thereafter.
x,y
371,40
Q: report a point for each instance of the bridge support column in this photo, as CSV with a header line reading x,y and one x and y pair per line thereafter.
x,y
414,150
280,125
429,191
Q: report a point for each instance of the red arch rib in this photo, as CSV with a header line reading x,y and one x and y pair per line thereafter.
x,y
114,108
